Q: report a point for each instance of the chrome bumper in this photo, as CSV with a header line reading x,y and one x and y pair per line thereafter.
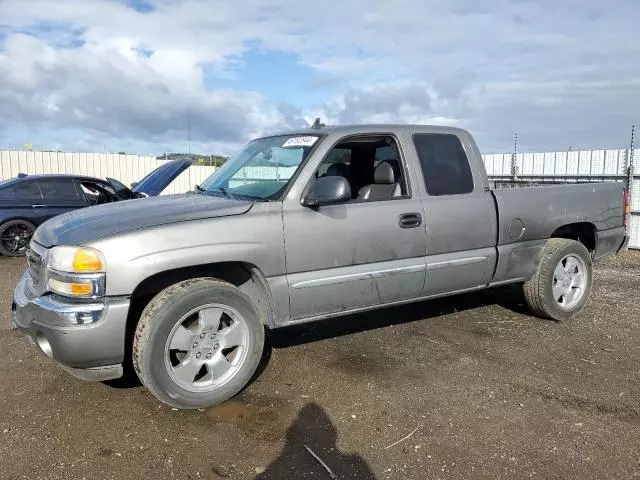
x,y
86,339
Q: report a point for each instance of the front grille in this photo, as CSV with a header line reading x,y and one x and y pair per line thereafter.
x,y
35,257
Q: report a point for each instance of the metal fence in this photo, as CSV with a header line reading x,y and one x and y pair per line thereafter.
x,y
504,170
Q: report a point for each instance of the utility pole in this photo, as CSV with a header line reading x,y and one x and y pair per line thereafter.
x,y
631,152
514,156
189,130
630,172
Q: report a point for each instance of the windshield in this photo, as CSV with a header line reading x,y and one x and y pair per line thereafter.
x,y
262,169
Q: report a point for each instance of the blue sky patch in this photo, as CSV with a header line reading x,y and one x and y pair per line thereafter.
x,y
142,6
277,75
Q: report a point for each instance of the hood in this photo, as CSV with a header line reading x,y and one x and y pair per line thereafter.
x,y
153,183
88,224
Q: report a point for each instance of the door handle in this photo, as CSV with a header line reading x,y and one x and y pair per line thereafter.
x,y
37,205
410,220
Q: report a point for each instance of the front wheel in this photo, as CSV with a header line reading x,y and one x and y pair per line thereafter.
x,y
198,343
561,285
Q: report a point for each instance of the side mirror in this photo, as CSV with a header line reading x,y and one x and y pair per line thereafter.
x,y
328,191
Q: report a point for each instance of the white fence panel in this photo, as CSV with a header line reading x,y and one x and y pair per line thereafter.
x,y
125,168
634,231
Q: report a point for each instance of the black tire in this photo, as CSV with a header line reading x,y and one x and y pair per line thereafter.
x,y
159,318
11,248
538,290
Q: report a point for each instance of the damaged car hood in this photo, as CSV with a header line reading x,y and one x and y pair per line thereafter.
x,y
88,224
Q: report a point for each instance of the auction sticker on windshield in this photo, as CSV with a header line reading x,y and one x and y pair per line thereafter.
x,y
300,142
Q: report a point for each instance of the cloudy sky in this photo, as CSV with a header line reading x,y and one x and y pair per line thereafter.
x,y
113,75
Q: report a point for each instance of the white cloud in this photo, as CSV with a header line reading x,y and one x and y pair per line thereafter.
x,y
556,71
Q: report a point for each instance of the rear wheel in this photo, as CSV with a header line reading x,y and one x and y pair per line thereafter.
x,y
15,236
198,343
561,285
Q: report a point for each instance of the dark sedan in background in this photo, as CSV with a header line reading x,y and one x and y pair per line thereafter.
x,y
29,200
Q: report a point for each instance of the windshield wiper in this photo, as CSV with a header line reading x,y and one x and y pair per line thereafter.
x,y
224,190
231,196
218,189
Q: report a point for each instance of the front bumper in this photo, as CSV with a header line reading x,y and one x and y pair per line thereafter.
x,y
89,351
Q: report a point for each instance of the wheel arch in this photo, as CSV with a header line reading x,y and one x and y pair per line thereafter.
x,y
583,232
247,277
32,221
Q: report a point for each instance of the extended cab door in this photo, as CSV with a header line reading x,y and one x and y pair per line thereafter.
x,y
362,253
460,213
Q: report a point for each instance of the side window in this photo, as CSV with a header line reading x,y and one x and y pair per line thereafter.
x,y
335,157
371,165
445,166
58,189
27,190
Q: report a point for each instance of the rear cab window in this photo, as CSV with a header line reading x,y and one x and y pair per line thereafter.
x,y
444,163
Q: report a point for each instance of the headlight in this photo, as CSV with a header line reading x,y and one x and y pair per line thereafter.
x,y
76,260
76,272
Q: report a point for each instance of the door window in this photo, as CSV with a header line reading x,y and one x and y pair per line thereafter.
x,y
359,160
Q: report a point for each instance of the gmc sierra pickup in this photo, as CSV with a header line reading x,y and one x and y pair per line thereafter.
x,y
298,227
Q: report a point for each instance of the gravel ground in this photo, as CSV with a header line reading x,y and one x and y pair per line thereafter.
x,y
487,391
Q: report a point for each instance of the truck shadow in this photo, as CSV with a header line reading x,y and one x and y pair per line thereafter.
x,y
509,297
313,428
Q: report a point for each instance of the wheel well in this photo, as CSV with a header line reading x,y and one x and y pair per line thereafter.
x,y
23,219
246,277
582,232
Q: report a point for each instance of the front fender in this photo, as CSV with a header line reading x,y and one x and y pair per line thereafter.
x,y
255,238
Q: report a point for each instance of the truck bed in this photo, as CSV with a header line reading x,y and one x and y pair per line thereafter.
x,y
527,217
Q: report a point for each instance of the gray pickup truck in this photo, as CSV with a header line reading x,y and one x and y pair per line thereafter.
x,y
299,227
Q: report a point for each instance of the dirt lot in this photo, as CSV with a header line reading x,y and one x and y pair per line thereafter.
x,y
493,393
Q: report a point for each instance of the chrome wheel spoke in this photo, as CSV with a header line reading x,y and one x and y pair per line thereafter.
x,y
209,318
567,266
558,291
218,366
187,371
231,336
578,279
182,339
558,273
571,295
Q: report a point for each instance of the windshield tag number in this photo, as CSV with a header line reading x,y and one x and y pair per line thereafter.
x,y
300,142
